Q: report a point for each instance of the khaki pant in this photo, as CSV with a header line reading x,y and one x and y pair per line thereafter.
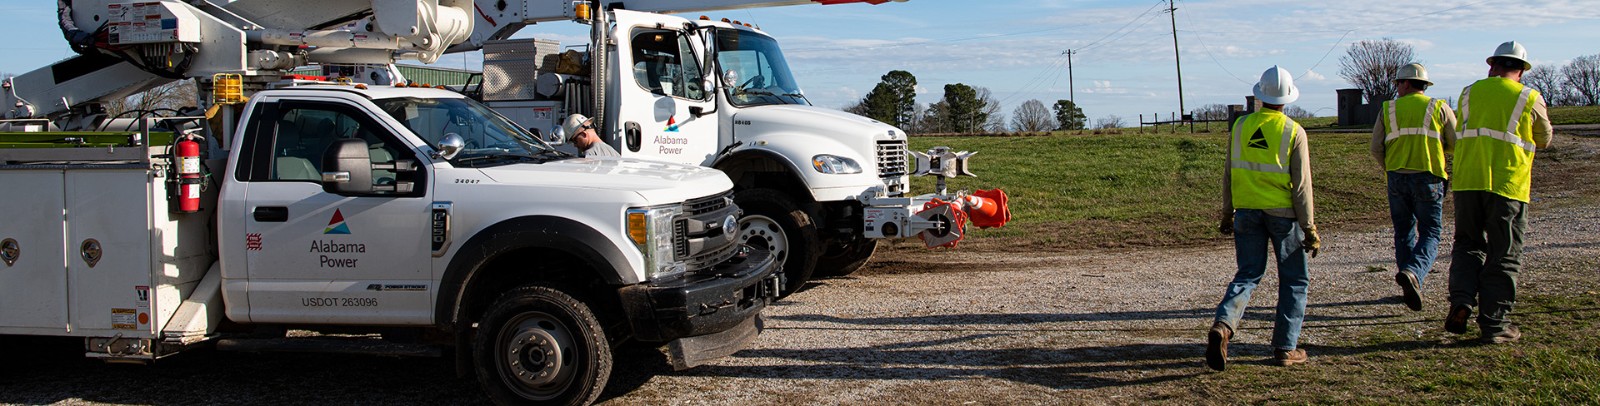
x,y
1487,255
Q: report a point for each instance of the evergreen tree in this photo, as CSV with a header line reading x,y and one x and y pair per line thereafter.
x,y
1069,116
894,99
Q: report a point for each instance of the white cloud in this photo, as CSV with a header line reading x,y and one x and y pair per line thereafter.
x,y
1311,76
1104,87
1418,44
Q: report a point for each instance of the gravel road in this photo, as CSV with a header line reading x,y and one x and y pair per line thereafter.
x,y
941,327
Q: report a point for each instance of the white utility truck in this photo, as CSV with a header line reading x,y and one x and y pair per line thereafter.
x,y
357,210
820,187
414,215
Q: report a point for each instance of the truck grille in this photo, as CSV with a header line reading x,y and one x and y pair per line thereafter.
x,y
891,158
698,237
708,204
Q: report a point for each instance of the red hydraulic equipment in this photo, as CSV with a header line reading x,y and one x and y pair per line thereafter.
x,y
943,223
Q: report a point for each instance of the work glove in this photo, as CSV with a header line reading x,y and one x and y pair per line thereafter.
x,y
1313,243
1226,228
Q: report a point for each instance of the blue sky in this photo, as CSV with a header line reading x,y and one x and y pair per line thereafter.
x,y
1124,65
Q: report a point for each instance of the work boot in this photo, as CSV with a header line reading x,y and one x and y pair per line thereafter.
x,y
1456,320
1507,335
1409,289
1291,357
1217,345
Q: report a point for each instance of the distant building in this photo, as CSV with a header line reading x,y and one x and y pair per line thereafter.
x,y
1352,111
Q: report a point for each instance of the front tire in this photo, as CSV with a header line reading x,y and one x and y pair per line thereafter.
x,y
537,344
773,221
846,259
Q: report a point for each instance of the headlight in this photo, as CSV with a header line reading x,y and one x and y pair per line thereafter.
x,y
651,230
835,165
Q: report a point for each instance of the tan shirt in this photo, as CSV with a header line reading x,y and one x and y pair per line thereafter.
x,y
1304,210
1542,129
1447,136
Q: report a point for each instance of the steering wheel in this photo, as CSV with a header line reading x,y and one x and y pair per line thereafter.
x,y
756,81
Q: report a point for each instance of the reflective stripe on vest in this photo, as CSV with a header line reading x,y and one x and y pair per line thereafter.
x,y
1257,183
1414,142
1510,133
1494,150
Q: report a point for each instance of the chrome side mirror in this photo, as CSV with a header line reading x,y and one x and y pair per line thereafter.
x,y
451,145
730,78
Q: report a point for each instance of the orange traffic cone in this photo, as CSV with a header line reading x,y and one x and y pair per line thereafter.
x,y
987,208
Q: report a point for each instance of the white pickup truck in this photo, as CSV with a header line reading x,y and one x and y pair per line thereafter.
x,y
356,209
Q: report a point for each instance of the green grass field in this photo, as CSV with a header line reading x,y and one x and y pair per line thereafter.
x,y
1575,115
1162,189
1408,363
1141,190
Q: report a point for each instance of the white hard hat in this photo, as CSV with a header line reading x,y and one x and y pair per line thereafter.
x,y
1512,50
570,128
1413,71
1276,87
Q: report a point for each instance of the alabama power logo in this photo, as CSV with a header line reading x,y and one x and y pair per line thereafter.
x,y
672,124
336,224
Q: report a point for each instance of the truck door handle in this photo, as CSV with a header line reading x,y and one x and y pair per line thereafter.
x,y
631,136
272,214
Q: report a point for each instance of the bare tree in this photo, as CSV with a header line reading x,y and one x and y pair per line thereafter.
x,y
1296,112
1547,79
996,124
1372,66
1032,115
1108,122
1213,111
991,109
1582,77
171,96
857,108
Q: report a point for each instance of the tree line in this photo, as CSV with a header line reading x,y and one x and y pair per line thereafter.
x,y
1575,84
1371,65
963,109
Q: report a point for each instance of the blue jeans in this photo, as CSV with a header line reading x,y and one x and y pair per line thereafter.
x,y
1416,204
1252,231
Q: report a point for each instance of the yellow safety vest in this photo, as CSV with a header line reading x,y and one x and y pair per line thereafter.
x,y
1260,160
1494,149
1411,141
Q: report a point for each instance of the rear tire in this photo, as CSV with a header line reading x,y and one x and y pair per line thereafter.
x,y
773,221
846,259
540,345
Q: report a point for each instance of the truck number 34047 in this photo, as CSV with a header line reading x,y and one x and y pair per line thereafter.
x,y
339,302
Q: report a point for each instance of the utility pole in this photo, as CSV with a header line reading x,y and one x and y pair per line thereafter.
x,y
1072,93
1172,7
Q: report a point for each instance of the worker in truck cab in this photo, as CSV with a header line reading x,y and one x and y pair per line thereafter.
x,y
1266,191
1409,140
580,132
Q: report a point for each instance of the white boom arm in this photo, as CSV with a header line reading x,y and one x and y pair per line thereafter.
x,y
499,19
130,46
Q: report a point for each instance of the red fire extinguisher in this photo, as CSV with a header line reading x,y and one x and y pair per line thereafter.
x,y
188,175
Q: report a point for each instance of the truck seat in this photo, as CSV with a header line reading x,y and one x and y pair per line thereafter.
x,y
289,161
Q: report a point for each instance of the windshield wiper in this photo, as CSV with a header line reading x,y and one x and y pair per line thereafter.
x,y
494,156
797,96
556,152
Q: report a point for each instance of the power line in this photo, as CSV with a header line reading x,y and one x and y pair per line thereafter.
x,y
1146,12
1207,49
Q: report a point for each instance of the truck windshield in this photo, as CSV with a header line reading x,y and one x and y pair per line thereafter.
x,y
759,74
485,132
